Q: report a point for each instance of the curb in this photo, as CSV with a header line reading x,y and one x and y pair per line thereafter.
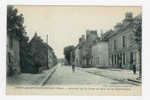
x,y
134,81
131,81
48,76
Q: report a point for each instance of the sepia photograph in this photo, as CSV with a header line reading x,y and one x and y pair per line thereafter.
x,y
74,50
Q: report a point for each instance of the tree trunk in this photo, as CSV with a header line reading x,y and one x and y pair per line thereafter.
x,y
140,64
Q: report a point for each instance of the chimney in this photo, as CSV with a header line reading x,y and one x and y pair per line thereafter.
x,y
128,16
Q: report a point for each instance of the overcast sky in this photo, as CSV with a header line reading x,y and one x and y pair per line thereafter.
x,y
65,24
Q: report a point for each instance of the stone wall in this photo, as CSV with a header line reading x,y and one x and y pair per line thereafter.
x,y
13,56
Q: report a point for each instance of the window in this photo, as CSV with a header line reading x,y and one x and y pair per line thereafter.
x,y
112,59
124,59
115,58
118,58
123,41
115,44
131,58
97,60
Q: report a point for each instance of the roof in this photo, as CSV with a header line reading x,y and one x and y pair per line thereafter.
x,y
122,26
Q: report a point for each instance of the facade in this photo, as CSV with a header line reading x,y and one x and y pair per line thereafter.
x,y
100,54
116,48
77,60
83,50
79,52
13,55
123,50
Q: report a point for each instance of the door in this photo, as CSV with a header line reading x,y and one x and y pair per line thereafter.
x,y
131,58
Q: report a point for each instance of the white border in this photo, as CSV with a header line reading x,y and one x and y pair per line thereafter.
x,y
77,2
146,47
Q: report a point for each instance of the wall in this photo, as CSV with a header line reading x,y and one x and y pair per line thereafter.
x,y
77,56
13,56
100,54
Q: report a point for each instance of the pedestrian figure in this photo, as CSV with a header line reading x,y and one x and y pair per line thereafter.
x,y
120,65
73,67
134,68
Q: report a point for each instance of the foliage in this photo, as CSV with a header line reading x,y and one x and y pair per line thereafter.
x,y
15,22
137,30
39,50
138,33
26,60
30,55
16,29
67,53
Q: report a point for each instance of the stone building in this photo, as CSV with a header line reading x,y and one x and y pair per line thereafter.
x,y
100,56
77,60
83,49
13,54
79,54
123,50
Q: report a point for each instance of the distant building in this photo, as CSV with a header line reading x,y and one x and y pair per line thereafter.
x,y
77,56
13,54
100,56
83,49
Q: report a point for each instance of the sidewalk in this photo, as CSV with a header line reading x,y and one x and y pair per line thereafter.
x,y
115,74
28,79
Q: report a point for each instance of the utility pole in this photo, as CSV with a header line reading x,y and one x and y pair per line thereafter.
x,y
47,50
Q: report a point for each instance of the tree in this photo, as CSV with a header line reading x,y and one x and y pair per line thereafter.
x,y
16,30
67,53
26,59
15,23
43,56
138,39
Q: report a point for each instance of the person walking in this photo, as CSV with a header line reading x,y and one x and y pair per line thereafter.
x,y
134,67
73,67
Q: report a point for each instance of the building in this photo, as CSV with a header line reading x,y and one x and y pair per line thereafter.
x,y
78,51
77,60
83,51
123,50
100,56
13,54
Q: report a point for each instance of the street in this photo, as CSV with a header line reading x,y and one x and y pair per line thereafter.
x,y
64,76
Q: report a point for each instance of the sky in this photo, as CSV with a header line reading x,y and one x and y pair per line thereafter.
x,y
66,24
